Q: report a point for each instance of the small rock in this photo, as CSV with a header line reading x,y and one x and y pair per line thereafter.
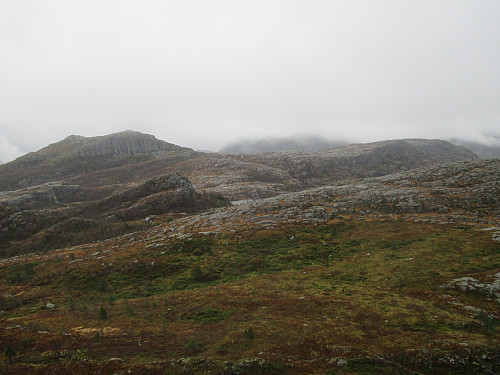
x,y
341,362
230,369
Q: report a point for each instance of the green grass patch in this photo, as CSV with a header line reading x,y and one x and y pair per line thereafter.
x,y
211,315
21,274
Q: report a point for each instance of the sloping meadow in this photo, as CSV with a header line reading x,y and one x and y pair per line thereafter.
x,y
346,295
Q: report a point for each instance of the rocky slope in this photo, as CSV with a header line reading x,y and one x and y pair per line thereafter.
x,y
255,176
129,157
78,155
54,214
482,150
84,182
465,192
393,274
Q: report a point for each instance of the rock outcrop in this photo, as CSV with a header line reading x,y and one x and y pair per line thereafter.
x,y
470,284
128,142
465,192
158,195
38,214
77,155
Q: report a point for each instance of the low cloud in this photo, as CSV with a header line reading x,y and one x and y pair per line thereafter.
x,y
8,151
202,74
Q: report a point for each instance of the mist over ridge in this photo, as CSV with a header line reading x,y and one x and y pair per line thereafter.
x,y
306,143
204,74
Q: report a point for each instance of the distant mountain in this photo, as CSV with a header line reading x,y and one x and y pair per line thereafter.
x,y
480,149
83,188
76,155
127,142
262,175
309,144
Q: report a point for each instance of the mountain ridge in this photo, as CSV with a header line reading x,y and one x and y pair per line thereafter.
x,y
77,154
119,178
127,142
128,156
278,172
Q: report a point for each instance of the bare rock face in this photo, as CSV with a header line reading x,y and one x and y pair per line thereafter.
x,y
463,192
158,195
128,142
41,196
77,155
129,157
375,159
470,284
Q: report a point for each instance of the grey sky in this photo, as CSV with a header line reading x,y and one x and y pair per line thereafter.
x,y
204,73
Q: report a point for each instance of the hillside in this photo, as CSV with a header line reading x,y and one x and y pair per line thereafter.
x,y
377,275
76,155
129,157
240,177
81,188
54,215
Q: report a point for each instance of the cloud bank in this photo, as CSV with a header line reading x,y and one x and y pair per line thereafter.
x,y
202,74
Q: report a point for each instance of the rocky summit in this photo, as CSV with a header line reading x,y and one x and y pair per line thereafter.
x,y
124,254
77,155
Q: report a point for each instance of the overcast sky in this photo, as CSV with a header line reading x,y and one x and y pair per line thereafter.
x,y
203,73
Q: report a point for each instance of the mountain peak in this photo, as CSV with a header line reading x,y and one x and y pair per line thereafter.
x,y
77,154
73,138
126,142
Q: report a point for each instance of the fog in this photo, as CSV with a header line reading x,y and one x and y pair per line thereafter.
x,y
204,74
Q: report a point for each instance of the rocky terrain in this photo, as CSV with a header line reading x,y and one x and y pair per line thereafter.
x,y
54,214
77,155
69,191
390,274
465,192
129,157
273,173
361,259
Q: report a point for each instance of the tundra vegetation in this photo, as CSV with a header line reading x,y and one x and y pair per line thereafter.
x,y
355,263
346,296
